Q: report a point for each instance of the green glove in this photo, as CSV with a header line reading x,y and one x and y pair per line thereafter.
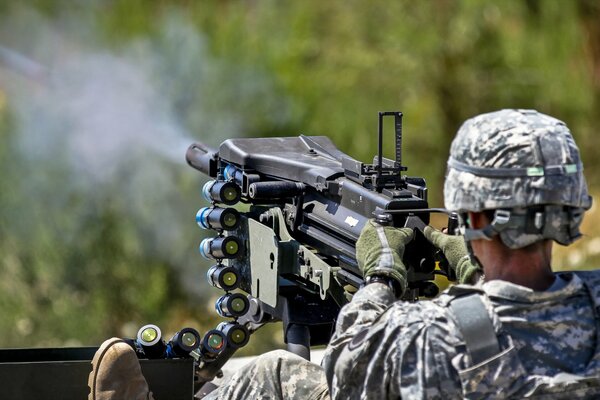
x,y
455,250
379,251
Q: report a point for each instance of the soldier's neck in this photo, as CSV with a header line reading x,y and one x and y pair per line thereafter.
x,y
529,266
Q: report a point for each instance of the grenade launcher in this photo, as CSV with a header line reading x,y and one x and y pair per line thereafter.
x,y
292,248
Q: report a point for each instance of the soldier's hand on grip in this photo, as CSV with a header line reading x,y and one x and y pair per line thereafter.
x,y
379,251
455,250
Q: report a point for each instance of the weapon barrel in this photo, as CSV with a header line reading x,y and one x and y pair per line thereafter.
x,y
203,158
275,190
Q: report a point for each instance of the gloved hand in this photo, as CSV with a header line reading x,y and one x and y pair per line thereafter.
x,y
379,251
455,250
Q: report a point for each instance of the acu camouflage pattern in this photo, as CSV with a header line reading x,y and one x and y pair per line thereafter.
x,y
385,350
276,375
519,139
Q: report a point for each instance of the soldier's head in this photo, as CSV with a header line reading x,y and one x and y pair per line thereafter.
x,y
522,169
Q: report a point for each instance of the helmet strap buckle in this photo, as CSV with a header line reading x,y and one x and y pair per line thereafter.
x,y
501,220
538,220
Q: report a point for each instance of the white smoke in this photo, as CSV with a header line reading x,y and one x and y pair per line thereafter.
x,y
116,121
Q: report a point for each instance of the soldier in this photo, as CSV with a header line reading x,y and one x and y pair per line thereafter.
x,y
515,178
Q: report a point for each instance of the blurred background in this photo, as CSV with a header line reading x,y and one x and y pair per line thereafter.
x,y
100,99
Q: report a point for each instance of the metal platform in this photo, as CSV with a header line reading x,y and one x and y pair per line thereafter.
x,y
62,373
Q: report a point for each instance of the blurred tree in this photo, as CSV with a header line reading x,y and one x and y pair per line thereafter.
x,y
440,62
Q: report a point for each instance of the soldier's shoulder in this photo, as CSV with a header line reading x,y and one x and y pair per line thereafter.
x,y
436,308
431,318
590,278
586,275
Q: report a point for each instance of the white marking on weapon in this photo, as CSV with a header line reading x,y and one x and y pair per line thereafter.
x,y
351,221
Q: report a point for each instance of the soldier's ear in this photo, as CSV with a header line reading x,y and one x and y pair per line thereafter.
x,y
478,220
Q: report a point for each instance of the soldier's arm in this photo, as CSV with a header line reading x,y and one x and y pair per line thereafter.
x,y
387,349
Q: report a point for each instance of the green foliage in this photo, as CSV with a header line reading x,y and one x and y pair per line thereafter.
x,y
78,265
77,276
439,62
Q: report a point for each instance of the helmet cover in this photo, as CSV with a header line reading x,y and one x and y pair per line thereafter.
x,y
517,159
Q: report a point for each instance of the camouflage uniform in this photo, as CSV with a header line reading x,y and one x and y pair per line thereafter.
x,y
384,349
275,375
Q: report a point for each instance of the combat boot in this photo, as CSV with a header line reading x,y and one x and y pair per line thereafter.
x,y
116,374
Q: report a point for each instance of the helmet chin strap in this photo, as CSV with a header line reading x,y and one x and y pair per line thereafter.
x,y
474,260
533,221
470,234
502,220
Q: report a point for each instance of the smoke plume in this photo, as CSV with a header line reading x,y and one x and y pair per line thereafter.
x,y
97,123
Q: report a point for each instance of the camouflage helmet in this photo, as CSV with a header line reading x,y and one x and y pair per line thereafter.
x,y
526,166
